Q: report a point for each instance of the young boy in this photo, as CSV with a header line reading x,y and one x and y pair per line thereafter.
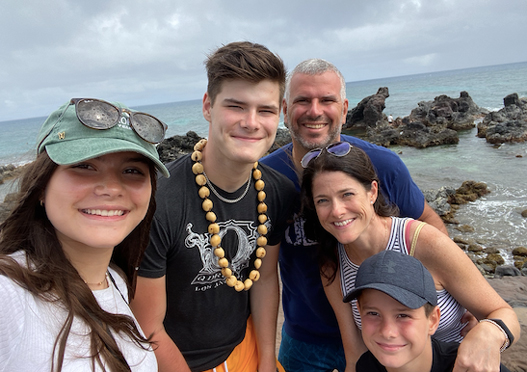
x,y
397,301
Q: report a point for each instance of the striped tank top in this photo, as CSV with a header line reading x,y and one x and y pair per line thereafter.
x,y
451,311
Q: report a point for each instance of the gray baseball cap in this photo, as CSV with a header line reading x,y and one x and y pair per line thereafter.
x,y
400,276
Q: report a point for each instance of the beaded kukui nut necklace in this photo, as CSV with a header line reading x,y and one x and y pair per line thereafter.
x,y
214,228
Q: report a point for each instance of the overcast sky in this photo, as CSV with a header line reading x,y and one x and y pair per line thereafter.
x,y
144,52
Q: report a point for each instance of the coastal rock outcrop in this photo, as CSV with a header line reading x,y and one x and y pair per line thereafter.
x,y
508,124
432,123
452,113
368,112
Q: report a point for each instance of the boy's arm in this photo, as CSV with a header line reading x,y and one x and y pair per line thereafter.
x,y
149,307
350,334
264,309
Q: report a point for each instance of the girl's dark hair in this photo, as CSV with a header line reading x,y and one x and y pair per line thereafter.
x,y
53,277
358,166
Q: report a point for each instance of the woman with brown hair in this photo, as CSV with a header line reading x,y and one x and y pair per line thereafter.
x,y
347,214
70,248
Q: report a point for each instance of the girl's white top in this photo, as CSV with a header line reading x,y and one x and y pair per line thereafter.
x,y
29,327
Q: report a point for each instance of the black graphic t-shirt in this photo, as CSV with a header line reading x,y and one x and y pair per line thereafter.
x,y
205,317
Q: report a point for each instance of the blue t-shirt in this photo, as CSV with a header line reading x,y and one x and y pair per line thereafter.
x,y
307,312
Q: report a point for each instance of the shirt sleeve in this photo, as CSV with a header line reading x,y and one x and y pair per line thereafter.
x,y
154,262
397,184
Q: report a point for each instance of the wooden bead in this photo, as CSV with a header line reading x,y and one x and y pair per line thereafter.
x,y
207,205
204,192
215,240
231,281
254,275
210,216
223,262
255,165
239,286
248,283
257,174
261,196
201,180
262,218
200,145
219,252
214,228
197,168
259,185
226,272
260,252
262,208
261,241
196,156
262,229
257,263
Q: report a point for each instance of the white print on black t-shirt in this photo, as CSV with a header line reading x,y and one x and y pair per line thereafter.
x,y
295,235
238,239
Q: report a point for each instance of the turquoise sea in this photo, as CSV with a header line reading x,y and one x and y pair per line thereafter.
x,y
495,217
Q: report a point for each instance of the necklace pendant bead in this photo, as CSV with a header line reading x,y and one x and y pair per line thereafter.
x,y
262,229
259,185
210,216
197,168
204,192
262,218
196,156
207,205
261,252
223,262
231,281
226,272
261,241
261,196
248,283
215,240
200,145
257,263
214,228
239,286
201,180
257,174
254,275
219,252
262,208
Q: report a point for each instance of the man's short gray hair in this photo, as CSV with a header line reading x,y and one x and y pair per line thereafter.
x,y
315,66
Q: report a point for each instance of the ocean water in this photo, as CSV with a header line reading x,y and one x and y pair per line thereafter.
x,y
495,217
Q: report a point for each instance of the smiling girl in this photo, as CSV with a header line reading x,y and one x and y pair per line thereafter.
x,y
70,248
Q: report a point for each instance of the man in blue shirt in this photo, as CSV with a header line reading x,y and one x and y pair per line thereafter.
x,y
315,107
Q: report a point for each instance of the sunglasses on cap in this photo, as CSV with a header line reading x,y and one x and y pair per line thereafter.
x,y
337,149
97,114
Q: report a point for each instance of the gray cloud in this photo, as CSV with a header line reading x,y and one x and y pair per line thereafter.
x,y
143,52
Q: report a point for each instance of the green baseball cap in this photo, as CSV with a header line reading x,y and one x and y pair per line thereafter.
x,y
68,141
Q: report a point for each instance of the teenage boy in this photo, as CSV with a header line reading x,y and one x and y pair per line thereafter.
x,y
397,301
208,285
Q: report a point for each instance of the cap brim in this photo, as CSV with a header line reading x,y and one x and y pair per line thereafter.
x,y
407,298
76,151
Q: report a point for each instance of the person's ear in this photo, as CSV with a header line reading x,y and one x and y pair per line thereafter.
x,y
433,320
207,105
344,111
374,191
284,108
